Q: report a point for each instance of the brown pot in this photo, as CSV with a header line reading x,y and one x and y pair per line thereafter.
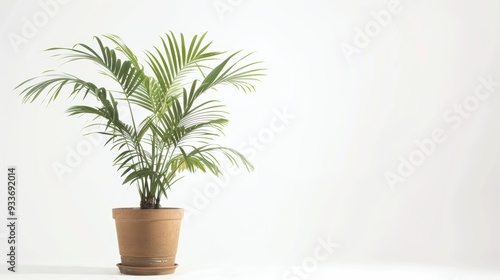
x,y
147,239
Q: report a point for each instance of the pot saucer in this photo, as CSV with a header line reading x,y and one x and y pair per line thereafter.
x,y
146,270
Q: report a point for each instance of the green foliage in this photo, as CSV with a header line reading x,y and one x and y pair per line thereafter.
x,y
177,132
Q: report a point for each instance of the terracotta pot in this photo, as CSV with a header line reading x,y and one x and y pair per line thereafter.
x,y
147,239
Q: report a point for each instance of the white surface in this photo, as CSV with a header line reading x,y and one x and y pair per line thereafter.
x,y
337,271
320,175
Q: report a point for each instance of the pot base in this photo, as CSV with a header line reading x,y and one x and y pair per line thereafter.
x,y
137,270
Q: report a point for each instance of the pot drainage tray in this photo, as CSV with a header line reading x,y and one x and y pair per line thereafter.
x,y
146,270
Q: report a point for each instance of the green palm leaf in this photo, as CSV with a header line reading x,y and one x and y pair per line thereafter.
x,y
178,131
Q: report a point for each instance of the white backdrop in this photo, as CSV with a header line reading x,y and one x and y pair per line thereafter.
x,y
376,129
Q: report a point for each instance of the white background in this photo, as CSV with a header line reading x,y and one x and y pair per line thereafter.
x,y
321,175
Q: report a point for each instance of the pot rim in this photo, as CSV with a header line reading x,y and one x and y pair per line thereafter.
x,y
137,213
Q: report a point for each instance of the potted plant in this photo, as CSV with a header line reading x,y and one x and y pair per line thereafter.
x,y
160,123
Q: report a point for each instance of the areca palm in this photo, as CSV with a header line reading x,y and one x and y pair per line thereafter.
x,y
176,133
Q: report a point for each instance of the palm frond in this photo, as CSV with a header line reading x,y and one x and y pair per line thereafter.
x,y
177,132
